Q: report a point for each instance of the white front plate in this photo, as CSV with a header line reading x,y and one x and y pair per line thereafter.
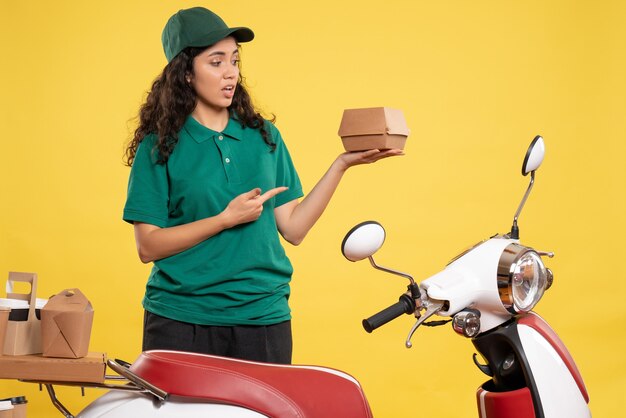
x,y
559,393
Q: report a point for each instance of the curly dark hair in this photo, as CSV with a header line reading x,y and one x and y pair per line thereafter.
x,y
171,100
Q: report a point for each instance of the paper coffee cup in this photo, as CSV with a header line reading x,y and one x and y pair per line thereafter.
x,y
19,406
19,308
6,409
4,321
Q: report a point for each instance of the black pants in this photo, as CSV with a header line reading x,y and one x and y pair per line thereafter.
x,y
270,343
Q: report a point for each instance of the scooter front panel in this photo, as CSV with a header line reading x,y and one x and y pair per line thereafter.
x,y
519,356
560,394
538,324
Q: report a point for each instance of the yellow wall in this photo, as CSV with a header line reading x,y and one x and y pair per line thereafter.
x,y
476,80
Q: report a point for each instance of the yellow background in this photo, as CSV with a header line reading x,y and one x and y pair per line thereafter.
x,y
476,81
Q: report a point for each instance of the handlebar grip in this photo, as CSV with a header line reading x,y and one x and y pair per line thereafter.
x,y
405,305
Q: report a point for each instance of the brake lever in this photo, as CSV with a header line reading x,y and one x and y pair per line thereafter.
x,y
432,307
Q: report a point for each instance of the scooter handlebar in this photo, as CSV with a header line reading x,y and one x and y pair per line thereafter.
x,y
405,305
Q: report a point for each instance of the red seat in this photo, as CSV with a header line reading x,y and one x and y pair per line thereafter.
x,y
270,389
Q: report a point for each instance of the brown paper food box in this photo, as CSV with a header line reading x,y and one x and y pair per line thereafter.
x,y
23,337
373,128
90,368
66,325
19,411
6,409
19,406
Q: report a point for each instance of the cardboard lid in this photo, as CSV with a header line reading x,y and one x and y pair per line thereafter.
x,y
372,121
396,125
69,300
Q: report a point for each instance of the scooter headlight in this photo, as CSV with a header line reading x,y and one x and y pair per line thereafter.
x,y
522,278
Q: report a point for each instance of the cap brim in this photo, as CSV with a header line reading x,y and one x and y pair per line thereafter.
x,y
242,34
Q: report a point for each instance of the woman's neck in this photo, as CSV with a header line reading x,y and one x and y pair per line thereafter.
x,y
212,118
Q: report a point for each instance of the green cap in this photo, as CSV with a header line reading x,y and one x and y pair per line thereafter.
x,y
198,27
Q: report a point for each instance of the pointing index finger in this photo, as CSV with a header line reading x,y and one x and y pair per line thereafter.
x,y
271,193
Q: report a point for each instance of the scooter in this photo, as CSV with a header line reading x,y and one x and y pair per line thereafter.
x,y
489,292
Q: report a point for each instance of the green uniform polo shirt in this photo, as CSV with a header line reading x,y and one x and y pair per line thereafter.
x,y
241,275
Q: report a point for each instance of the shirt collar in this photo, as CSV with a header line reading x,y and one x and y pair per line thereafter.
x,y
201,133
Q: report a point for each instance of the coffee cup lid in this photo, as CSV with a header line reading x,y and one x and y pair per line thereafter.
x,y
21,304
5,405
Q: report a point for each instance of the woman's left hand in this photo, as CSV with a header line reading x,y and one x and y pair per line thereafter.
x,y
352,158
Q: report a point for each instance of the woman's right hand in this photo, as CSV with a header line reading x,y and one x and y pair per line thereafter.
x,y
247,207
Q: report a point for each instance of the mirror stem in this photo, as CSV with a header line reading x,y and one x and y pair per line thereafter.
x,y
387,270
514,228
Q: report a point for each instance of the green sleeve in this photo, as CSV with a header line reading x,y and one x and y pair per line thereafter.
x,y
148,190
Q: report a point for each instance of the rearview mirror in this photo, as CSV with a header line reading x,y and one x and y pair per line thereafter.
x,y
534,155
532,161
363,241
